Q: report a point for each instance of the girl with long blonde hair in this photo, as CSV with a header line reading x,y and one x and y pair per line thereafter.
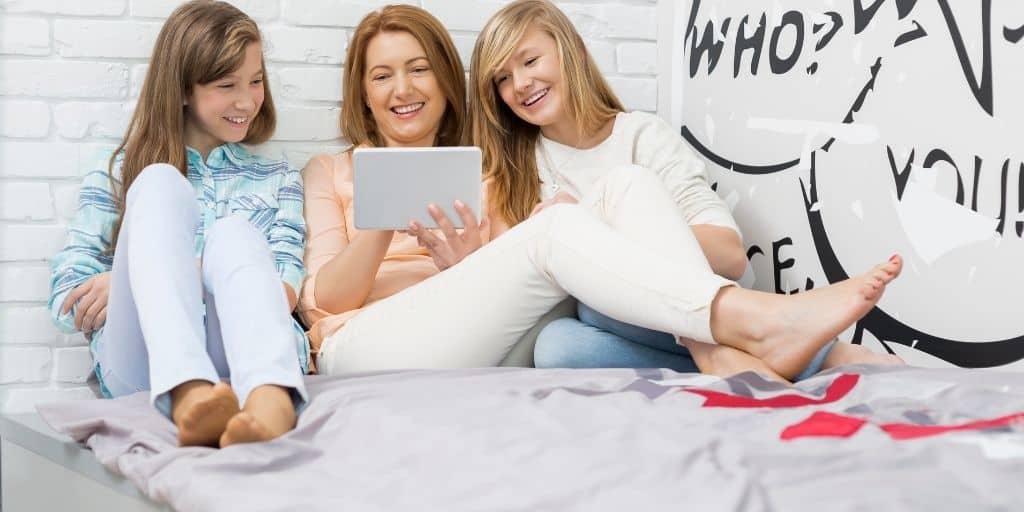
x,y
551,129
380,301
184,258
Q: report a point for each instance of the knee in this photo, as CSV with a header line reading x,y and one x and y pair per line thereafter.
x,y
555,347
559,213
161,184
233,241
626,181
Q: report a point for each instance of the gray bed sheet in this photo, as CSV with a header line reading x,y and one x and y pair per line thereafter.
x,y
522,439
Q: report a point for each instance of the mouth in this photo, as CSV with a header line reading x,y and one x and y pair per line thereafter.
x,y
536,97
238,121
407,111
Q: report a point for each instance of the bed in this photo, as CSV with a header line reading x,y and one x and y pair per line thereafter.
x,y
855,438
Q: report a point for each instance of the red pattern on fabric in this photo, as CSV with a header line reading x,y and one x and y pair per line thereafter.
x,y
824,424
901,431
839,388
828,424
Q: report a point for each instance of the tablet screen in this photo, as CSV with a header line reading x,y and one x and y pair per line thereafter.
x,y
393,186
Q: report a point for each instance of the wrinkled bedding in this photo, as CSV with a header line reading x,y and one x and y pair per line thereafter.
x,y
496,439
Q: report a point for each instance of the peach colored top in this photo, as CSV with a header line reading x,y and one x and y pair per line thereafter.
x,y
330,227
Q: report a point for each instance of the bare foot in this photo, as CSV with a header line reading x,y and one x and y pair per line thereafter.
x,y
201,411
848,353
269,414
786,331
724,361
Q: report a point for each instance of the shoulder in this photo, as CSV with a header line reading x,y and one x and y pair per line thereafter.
x,y
328,175
636,122
336,166
649,135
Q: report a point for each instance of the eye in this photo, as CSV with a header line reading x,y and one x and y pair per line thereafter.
x,y
225,85
257,81
380,77
420,69
499,79
531,61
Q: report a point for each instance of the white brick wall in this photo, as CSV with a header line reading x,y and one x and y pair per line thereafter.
x,y
69,75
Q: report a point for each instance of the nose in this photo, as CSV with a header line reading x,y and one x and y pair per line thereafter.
x,y
403,84
521,81
246,101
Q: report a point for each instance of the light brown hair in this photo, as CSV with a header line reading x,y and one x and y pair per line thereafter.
x,y
202,41
507,142
357,124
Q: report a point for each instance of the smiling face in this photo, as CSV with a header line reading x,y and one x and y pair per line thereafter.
x,y
531,83
402,92
222,110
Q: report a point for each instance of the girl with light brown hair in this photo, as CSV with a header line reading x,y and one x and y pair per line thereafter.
x,y
382,299
184,258
551,129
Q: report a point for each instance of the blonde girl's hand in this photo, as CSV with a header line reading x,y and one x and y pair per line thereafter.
x,y
561,197
91,297
455,245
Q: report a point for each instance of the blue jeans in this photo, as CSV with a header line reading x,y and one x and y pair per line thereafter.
x,y
597,341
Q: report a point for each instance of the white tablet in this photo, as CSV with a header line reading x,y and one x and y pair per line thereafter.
x,y
393,186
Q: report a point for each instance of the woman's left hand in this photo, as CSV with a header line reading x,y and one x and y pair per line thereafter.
x,y
91,298
455,245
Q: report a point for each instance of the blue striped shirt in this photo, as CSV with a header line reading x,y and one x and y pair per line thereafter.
x,y
231,181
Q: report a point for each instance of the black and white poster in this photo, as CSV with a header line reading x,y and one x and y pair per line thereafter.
x,y
844,131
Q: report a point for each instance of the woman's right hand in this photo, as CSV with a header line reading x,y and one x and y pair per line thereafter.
x,y
91,296
455,245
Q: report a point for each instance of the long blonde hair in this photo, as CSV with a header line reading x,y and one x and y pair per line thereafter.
x,y
201,41
357,124
507,142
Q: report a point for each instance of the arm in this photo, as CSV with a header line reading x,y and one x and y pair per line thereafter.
x,y
85,253
723,249
341,271
290,296
287,235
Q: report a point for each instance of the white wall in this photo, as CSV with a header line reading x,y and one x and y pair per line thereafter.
x,y
70,71
936,105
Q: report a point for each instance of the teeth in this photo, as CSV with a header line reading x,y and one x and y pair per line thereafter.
x,y
237,120
537,96
405,109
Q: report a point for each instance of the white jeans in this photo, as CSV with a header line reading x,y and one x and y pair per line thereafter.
x,y
156,336
625,250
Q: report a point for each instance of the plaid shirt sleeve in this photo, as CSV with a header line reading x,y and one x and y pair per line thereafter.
x,y
86,252
288,232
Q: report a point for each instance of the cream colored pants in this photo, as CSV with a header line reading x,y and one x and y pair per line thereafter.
x,y
625,251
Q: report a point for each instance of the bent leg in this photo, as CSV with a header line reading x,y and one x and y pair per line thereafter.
x,y
570,343
155,337
472,313
256,329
